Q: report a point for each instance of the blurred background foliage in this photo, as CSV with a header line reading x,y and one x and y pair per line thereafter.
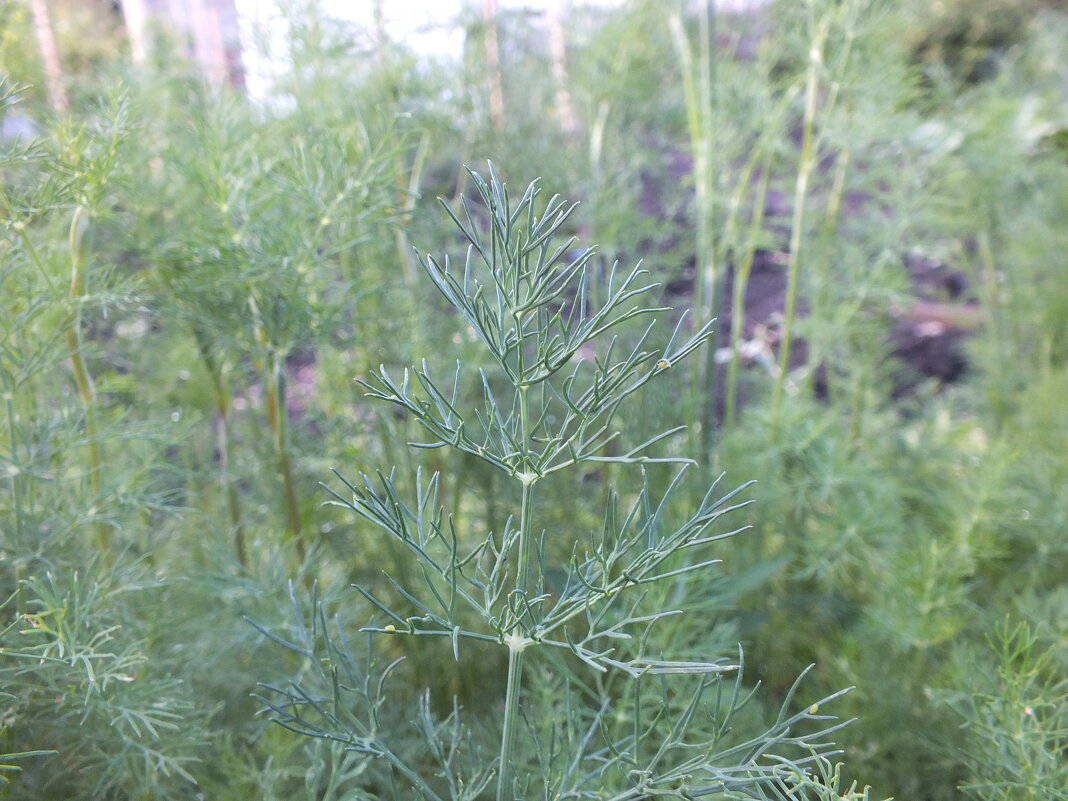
x,y
900,168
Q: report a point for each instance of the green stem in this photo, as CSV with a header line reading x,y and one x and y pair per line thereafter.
x,y
698,84
992,301
408,192
416,780
16,485
407,188
824,279
804,172
741,282
277,418
834,202
856,425
505,778
32,251
233,501
221,393
16,499
516,646
706,241
79,248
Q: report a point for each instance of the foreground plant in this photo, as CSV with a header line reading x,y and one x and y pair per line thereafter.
x,y
544,409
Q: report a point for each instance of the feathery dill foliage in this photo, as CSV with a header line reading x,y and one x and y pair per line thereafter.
x,y
545,408
83,711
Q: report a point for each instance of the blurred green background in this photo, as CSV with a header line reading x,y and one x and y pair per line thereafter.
x,y
869,196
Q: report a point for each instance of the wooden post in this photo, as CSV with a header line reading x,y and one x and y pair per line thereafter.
x,y
46,41
211,28
381,37
493,65
565,108
135,14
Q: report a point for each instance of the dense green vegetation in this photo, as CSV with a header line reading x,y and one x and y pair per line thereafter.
x,y
864,200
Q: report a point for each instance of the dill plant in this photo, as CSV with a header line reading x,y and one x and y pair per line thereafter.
x,y
92,704
246,261
544,409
